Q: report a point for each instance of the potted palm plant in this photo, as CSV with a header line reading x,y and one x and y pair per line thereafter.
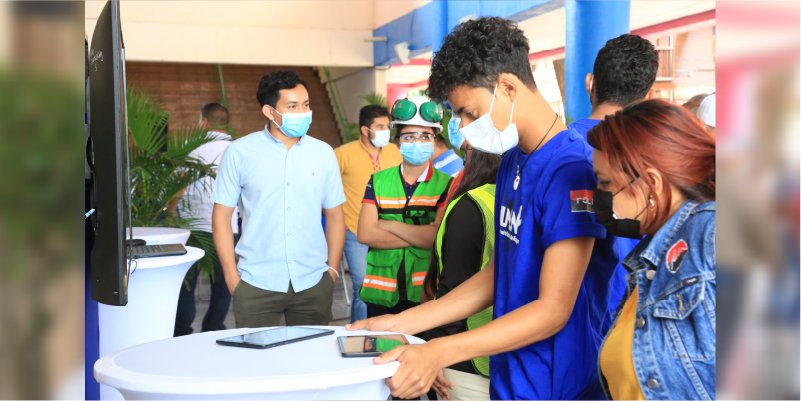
x,y
161,168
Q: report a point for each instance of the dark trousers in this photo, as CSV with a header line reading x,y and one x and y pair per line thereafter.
x,y
219,303
256,307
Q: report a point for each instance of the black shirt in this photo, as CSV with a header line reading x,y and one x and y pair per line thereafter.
x,y
462,245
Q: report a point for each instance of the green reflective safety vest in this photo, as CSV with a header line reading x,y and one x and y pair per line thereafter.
x,y
484,197
380,285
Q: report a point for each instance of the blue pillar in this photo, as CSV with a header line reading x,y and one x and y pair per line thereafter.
x,y
589,23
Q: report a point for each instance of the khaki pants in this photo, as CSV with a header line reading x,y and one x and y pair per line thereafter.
x,y
467,386
255,307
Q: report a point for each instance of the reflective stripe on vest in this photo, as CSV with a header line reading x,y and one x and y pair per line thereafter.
x,y
380,283
418,278
484,197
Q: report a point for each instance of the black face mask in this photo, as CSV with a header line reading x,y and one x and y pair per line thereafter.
x,y
628,228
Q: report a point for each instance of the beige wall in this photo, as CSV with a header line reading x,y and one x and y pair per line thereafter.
x,y
694,58
303,33
388,10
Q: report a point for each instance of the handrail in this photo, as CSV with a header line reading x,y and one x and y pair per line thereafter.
x,y
333,94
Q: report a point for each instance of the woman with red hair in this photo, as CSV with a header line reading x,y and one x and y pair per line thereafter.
x,y
655,164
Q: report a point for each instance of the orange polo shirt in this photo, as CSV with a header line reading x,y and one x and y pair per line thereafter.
x,y
356,166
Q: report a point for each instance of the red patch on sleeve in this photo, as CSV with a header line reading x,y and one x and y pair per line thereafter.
x,y
581,200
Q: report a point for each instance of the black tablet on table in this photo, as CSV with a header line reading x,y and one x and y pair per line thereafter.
x,y
274,337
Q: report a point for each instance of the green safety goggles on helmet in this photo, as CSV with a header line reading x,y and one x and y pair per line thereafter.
x,y
405,109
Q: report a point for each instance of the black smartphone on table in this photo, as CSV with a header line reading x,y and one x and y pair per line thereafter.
x,y
358,346
274,337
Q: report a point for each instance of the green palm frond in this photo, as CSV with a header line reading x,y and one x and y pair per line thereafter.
x,y
162,168
146,120
350,132
186,139
375,99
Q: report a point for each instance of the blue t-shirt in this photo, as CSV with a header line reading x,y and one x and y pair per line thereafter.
x,y
583,126
552,202
623,246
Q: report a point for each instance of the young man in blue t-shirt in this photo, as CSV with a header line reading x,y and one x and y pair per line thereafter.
x,y
623,73
552,260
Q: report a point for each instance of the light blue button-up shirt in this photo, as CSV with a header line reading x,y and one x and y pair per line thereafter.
x,y
283,193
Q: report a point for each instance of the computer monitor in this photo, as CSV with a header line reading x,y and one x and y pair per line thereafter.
x,y
108,159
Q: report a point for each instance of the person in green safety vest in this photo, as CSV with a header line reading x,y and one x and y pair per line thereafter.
x,y
401,211
463,247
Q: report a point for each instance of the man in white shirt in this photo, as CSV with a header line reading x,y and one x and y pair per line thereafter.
x,y
197,205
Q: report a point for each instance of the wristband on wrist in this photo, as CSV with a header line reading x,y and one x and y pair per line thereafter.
x,y
334,270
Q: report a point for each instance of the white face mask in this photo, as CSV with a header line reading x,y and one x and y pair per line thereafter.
x,y
381,138
482,134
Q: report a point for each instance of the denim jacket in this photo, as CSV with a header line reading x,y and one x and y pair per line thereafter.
x,y
674,334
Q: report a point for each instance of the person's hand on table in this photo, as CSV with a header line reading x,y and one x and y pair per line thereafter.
x,y
378,323
419,366
442,385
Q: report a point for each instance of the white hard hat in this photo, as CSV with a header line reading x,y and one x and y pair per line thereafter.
x,y
417,110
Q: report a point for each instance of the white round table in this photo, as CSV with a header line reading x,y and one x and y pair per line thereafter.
x,y
162,235
150,313
196,367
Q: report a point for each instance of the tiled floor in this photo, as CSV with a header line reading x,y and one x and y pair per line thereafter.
x,y
340,308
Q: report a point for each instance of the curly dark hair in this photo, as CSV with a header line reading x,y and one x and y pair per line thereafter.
x,y
475,53
624,70
271,84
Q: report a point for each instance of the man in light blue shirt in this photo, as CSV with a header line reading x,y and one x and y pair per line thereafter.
x,y
287,264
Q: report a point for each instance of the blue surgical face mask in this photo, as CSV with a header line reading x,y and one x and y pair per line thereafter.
x,y
417,153
454,135
295,124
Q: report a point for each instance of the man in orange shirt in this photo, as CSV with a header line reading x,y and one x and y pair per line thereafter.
x,y
358,160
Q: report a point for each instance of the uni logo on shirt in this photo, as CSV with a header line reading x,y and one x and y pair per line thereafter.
x,y
511,221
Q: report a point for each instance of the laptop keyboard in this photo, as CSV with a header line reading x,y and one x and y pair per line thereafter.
x,y
140,251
